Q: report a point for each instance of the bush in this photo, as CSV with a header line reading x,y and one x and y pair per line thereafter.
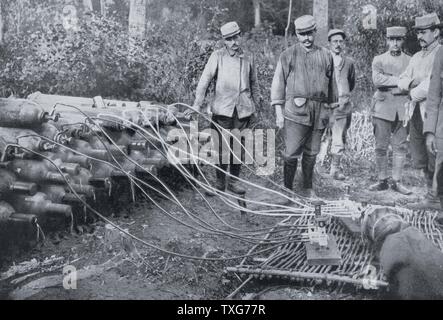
x,y
366,44
99,59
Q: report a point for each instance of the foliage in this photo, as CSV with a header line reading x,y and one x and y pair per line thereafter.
x,y
39,54
365,44
100,59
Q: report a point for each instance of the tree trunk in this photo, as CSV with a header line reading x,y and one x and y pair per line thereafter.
x,y
87,4
137,18
321,15
289,24
1,23
257,13
103,7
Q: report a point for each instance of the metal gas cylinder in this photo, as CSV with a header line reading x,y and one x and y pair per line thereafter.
x,y
69,157
157,159
26,138
116,150
9,184
104,171
86,148
83,176
69,168
36,171
8,214
57,194
6,152
21,218
6,210
39,205
48,101
20,113
51,132
99,153
86,190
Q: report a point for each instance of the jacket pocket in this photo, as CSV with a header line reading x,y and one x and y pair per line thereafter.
x,y
300,106
379,96
245,102
298,110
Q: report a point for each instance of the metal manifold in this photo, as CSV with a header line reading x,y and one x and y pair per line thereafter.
x,y
354,259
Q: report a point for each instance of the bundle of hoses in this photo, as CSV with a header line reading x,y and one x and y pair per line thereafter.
x,y
59,158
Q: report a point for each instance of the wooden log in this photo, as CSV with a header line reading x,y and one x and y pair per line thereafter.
x,y
321,15
137,18
306,275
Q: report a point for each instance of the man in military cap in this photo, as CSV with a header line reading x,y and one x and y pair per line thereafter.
x,y
302,90
389,112
341,116
415,80
236,93
433,124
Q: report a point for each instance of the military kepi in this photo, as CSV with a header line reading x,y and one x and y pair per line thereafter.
x,y
335,32
396,32
427,21
230,29
305,24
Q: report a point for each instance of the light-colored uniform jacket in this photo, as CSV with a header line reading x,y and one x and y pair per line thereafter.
x,y
386,70
433,122
236,83
419,71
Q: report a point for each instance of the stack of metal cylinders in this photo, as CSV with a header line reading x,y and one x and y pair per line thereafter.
x,y
59,154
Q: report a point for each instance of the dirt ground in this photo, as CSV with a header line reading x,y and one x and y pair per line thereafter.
x,y
144,273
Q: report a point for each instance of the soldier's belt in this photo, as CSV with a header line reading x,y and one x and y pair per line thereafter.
x,y
393,90
316,99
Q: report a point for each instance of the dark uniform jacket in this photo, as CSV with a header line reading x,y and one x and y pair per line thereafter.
x,y
303,80
345,77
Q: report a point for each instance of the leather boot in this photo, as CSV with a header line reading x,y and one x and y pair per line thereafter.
x,y
429,202
397,169
380,185
233,185
381,163
308,164
289,170
220,183
335,168
309,193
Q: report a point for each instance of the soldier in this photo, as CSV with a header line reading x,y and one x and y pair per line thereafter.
x,y
304,84
388,111
433,124
236,91
415,80
341,117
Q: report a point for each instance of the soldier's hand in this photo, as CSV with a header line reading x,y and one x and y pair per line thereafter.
x,y
189,113
415,83
430,143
